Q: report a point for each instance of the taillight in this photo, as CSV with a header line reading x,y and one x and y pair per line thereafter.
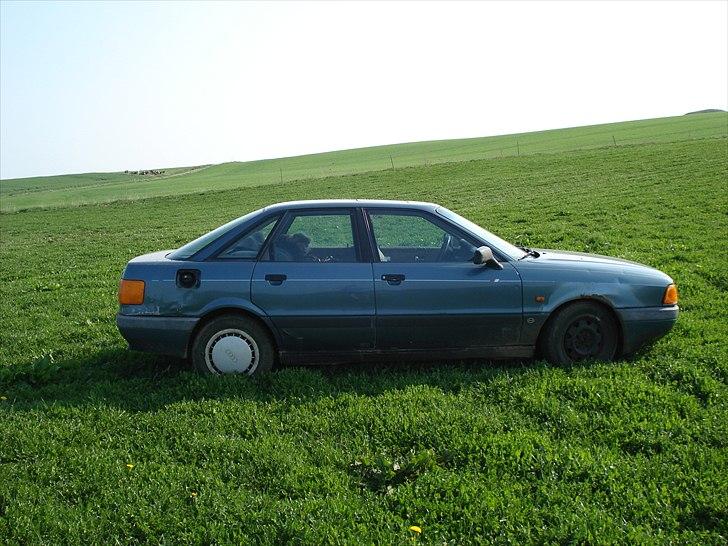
x,y
670,297
131,292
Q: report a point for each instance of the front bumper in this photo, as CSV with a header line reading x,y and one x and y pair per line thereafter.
x,y
645,324
160,335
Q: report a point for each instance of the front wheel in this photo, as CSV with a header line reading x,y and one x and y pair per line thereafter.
x,y
233,344
581,331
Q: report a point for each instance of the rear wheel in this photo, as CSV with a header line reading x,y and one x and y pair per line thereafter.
x,y
581,331
233,344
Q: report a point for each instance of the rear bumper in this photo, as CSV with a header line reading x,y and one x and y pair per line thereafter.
x,y
161,335
645,324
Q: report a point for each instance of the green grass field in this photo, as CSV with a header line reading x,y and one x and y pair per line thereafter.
x,y
55,191
101,445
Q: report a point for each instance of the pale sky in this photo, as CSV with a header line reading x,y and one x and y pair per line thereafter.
x,y
112,86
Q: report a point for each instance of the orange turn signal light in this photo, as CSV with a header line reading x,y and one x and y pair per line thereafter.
x,y
670,297
131,292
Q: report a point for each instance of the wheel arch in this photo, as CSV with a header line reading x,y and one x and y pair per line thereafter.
x,y
232,310
599,300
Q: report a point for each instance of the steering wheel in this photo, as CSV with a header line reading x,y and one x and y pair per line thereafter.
x,y
445,247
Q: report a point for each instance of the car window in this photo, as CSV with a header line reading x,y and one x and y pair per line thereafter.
x,y
191,248
411,238
324,237
248,246
502,245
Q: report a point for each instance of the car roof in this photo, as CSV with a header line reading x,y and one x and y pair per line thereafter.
x,y
336,203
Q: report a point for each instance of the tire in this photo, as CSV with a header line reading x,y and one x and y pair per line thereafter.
x,y
581,331
233,344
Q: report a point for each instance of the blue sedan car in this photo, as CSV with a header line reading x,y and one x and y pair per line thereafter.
x,y
336,280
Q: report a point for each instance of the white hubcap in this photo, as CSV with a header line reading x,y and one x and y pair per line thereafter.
x,y
231,351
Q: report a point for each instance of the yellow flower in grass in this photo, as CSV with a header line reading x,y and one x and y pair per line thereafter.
x,y
130,466
193,495
415,529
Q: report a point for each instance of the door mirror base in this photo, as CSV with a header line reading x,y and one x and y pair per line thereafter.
x,y
484,256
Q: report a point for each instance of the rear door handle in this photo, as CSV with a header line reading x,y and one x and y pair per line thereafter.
x,y
393,278
275,279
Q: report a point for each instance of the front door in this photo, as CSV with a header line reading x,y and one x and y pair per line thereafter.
x,y
313,284
429,294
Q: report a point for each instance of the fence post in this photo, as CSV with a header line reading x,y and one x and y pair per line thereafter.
x,y
391,161
281,169
518,148
614,140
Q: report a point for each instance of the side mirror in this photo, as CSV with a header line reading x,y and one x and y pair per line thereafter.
x,y
484,255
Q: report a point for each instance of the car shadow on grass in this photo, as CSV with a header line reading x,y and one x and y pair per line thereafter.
x,y
140,382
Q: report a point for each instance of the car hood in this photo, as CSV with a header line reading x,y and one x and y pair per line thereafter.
x,y
568,256
583,261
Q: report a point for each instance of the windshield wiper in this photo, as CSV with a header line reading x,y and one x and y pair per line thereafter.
x,y
529,252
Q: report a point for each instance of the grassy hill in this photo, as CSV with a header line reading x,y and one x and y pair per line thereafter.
x,y
103,445
53,191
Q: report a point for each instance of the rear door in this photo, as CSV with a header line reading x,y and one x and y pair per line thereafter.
x,y
314,282
429,294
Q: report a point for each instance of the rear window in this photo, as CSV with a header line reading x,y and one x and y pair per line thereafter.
x,y
247,247
193,247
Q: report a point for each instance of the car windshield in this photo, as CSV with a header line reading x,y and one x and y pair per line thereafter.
x,y
502,245
186,251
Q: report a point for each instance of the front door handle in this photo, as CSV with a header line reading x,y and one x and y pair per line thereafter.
x,y
275,279
393,278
